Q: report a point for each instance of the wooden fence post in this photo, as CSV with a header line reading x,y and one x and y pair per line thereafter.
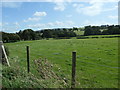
x,y
73,69
3,52
28,63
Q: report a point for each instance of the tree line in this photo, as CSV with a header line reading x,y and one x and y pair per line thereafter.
x,y
10,37
102,30
29,34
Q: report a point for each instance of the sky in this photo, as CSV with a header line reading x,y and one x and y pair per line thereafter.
x,y
42,15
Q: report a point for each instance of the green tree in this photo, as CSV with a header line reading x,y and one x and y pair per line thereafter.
x,y
28,34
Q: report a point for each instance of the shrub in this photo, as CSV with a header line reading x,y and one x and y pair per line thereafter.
x,y
14,77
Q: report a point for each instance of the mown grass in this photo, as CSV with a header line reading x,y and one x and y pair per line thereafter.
x,y
96,65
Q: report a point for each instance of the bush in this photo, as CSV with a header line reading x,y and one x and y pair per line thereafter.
x,y
14,77
17,77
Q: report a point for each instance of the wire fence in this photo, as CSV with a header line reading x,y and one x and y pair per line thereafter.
x,y
82,62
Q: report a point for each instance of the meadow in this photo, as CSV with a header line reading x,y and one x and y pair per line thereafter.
x,y
96,63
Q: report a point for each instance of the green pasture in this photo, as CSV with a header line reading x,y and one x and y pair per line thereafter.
x,y
96,65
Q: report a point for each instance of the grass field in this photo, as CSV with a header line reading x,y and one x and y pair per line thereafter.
x,y
97,59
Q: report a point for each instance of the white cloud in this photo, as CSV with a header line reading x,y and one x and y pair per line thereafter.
x,y
113,17
60,6
32,19
11,4
97,23
111,9
74,5
16,23
52,24
35,18
104,1
64,24
10,27
58,0
40,14
77,5
59,23
36,25
92,10
95,7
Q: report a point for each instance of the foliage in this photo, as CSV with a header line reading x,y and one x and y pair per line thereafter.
x,y
27,34
10,37
102,30
57,33
94,30
16,77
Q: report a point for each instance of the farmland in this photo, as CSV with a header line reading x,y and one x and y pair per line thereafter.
x,y
96,65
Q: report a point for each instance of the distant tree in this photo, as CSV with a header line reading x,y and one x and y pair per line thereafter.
x,y
81,29
28,34
75,29
10,37
92,30
47,33
96,30
105,32
20,33
64,29
38,35
88,31
5,37
70,29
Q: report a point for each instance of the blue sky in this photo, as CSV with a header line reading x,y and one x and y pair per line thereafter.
x,y
41,15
